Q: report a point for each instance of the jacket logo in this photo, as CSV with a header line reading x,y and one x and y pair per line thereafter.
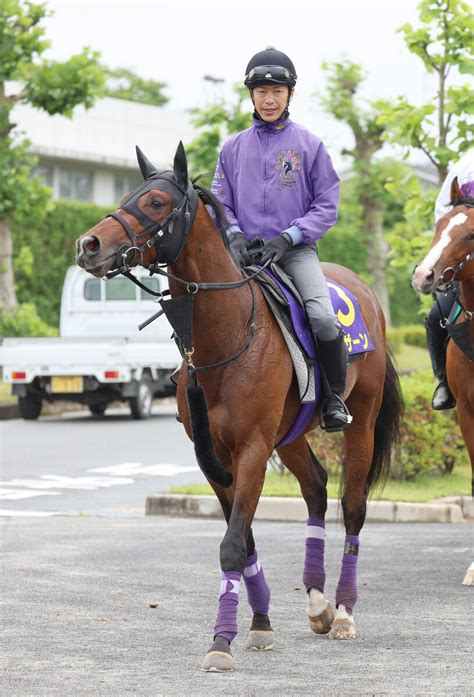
x,y
288,163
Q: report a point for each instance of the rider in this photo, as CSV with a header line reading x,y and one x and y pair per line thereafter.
x,y
436,334
277,182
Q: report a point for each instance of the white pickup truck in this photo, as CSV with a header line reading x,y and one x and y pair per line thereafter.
x,y
100,356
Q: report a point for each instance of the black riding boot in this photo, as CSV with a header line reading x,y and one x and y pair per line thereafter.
x,y
333,363
436,338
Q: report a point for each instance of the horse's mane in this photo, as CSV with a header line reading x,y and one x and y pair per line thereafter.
x,y
220,220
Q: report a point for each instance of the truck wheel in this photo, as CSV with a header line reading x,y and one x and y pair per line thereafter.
x,y
140,406
97,409
29,407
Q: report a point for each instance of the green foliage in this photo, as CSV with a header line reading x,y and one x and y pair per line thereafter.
x,y
59,87
21,37
410,334
44,249
440,127
431,442
123,83
216,121
25,321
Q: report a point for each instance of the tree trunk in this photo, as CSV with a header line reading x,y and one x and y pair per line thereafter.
x,y
7,285
378,250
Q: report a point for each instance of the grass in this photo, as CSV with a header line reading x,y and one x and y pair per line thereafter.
x,y
412,358
421,490
6,393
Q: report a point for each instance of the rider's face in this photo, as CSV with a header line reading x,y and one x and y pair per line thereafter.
x,y
270,101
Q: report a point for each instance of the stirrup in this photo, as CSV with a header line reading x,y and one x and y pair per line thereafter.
x,y
340,418
442,397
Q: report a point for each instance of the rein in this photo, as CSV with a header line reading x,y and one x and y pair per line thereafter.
x,y
181,321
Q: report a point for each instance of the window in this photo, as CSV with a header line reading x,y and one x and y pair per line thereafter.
x,y
75,184
44,172
151,282
119,289
125,183
92,289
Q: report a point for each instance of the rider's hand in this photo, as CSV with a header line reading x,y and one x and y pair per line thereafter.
x,y
275,248
238,248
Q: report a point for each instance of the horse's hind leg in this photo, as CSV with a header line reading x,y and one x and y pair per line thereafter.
x,y
312,477
359,446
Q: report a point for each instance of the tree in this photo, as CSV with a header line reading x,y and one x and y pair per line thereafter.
x,y
371,177
54,87
440,128
217,120
123,83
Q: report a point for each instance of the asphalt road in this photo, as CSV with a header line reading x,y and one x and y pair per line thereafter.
x,y
77,621
75,463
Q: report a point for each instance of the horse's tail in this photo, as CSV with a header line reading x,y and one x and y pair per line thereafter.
x,y
387,426
203,447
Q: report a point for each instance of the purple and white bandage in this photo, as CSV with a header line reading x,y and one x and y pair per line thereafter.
x,y
346,592
314,575
226,621
258,592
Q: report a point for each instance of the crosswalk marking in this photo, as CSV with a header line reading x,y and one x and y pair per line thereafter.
x,y
26,514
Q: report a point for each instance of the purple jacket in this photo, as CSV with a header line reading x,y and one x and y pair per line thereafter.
x,y
277,177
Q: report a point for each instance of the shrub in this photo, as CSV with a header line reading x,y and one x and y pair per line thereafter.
x,y
24,322
431,441
414,335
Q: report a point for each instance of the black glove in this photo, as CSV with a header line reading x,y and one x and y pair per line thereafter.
x,y
275,248
238,248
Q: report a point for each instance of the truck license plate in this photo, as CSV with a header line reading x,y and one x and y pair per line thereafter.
x,y
67,383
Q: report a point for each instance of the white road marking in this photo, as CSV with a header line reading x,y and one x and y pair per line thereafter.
x,y
26,514
133,468
54,481
15,494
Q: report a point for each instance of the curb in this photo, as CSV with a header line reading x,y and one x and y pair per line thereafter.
x,y
451,510
9,411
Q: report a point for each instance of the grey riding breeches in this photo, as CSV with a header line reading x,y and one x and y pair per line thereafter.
x,y
302,264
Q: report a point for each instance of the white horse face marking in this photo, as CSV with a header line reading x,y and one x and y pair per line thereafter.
x,y
424,269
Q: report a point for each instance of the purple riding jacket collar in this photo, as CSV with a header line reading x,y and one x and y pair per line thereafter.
x,y
276,177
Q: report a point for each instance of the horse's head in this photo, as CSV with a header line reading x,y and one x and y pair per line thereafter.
x,y
451,256
151,224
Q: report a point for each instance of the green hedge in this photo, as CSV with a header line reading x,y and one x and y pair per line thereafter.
x,y
43,251
25,322
431,441
411,334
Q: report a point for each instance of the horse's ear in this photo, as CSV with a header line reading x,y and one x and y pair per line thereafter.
x,y
146,168
180,166
456,192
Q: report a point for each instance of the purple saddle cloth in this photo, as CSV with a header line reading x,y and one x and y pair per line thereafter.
x,y
357,340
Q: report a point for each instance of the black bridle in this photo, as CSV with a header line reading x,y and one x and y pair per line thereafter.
x,y
169,237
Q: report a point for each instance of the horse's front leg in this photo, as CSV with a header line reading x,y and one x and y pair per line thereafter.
x,y
249,465
261,636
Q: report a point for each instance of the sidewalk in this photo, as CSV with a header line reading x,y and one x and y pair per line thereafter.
x,y
451,509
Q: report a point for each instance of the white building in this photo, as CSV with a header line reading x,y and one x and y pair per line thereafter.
x,y
91,157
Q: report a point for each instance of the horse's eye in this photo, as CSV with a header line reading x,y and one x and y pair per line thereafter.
x,y
156,203
470,237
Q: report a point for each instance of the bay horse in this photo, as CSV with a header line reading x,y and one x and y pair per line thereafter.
x,y
243,397
451,258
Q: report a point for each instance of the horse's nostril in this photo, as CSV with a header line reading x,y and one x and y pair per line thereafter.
x,y
90,245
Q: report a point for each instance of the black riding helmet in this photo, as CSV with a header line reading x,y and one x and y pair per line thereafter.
x,y
270,67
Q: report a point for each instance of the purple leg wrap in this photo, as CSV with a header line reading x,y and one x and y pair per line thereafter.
x,y
258,592
314,575
226,621
346,592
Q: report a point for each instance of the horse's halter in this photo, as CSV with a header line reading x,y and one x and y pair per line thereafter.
x,y
168,236
454,270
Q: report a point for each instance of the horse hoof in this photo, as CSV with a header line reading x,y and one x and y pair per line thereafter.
x,y
259,640
321,624
343,626
218,662
469,577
